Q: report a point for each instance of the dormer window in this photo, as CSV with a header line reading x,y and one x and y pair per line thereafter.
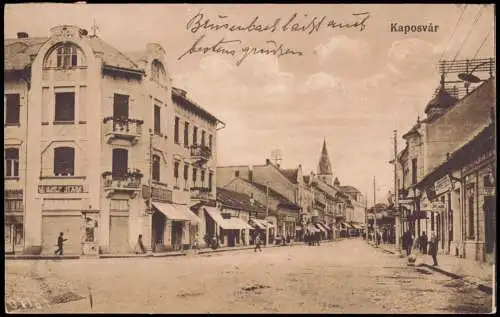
x,y
66,56
157,71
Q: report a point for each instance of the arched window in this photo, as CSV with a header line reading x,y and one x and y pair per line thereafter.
x,y
120,163
156,168
157,71
11,162
67,56
64,161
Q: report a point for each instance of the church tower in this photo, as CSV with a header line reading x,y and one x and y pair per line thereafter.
x,y
324,167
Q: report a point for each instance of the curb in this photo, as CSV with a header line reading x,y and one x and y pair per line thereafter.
x,y
154,255
484,288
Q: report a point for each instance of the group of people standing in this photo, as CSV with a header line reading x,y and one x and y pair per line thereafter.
x,y
422,243
312,238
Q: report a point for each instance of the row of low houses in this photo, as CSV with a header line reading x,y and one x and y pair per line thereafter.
x,y
446,173
100,146
296,203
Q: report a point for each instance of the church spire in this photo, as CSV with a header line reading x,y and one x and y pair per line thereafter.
x,y
324,166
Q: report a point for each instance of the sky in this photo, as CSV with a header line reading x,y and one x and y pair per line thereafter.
x,y
348,86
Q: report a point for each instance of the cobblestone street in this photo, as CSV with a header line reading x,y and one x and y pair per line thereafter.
x,y
340,277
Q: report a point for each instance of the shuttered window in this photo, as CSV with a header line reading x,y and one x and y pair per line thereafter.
x,y
64,161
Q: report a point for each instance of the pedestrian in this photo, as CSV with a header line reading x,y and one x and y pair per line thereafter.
x,y
433,246
423,243
257,243
408,242
139,247
60,244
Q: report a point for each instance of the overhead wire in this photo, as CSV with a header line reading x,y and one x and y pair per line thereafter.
x,y
476,19
453,32
482,43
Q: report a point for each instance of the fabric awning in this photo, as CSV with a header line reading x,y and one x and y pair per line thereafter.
x,y
234,224
184,208
312,229
298,228
321,228
171,212
270,224
259,224
324,226
226,224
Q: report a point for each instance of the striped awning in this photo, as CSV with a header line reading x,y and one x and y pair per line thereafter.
x,y
171,212
320,227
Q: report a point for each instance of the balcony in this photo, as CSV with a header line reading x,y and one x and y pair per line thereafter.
x,y
122,128
200,154
127,182
201,193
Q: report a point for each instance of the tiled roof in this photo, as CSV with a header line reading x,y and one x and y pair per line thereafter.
x,y
18,51
349,189
413,130
179,97
239,201
273,194
111,56
290,174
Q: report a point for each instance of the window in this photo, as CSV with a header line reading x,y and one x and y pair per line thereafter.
x,y
470,201
176,170
13,204
12,108
210,141
195,135
202,177
432,221
12,162
176,130
186,175
186,134
156,168
210,179
203,138
64,161
157,120
414,171
195,171
66,56
157,70
237,173
120,106
120,163
65,107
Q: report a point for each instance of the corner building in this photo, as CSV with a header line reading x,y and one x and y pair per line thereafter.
x,y
90,138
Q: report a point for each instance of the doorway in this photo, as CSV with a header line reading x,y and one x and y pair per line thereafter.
x,y
490,223
158,231
177,235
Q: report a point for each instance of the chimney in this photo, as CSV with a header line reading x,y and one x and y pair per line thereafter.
x,y
250,176
268,162
22,35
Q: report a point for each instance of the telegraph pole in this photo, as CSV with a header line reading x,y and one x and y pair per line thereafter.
x,y
374,213
396,195
267,214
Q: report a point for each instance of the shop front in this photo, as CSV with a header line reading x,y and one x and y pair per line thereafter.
x,y
13,221
171,227
228,229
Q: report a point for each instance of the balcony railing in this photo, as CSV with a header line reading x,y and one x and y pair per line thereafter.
x,y
122,128
203,193
200,153
129,181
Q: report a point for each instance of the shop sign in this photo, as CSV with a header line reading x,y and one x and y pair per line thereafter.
x,y
438,206
442,185
489,191
60,189
489,184
159,194
479,160
406,201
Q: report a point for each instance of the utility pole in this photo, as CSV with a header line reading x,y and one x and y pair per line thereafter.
x,y
374,211
396,196
267,213
366,216
149,233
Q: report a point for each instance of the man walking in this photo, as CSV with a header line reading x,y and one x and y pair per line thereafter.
x,y
60,244
423,243
257,243
433,246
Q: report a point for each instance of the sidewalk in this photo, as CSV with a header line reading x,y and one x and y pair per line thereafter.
x,y
156,254
473,272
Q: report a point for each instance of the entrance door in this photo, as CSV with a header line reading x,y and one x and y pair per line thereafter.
x,y
118,234
158,229
177,235
490,223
